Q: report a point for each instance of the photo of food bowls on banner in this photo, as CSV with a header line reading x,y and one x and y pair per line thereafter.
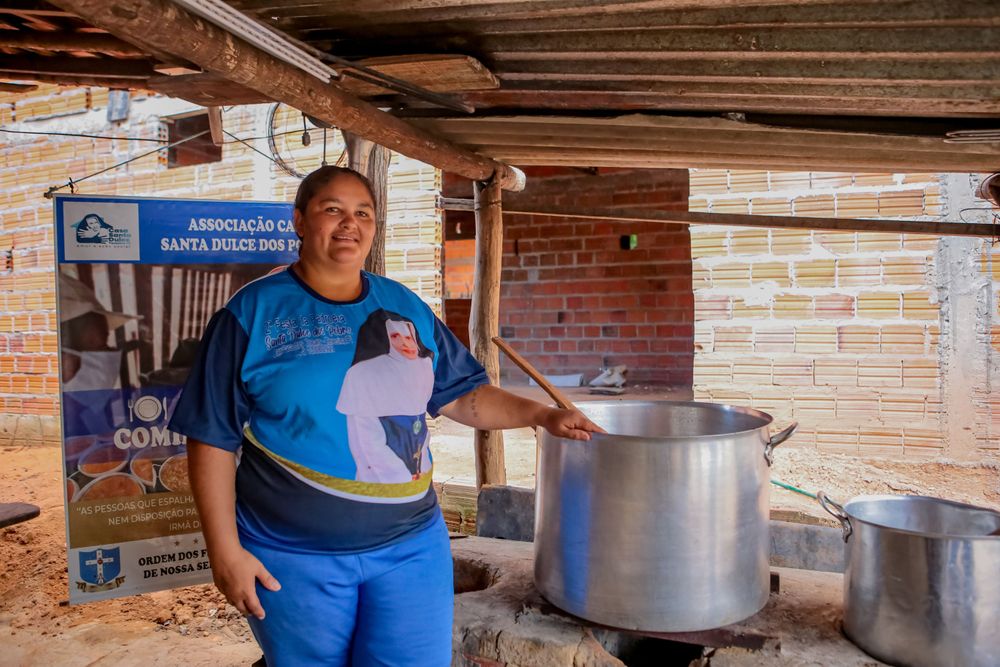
x,y
123,371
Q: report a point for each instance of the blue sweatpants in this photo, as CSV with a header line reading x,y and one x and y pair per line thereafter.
x,y
392,606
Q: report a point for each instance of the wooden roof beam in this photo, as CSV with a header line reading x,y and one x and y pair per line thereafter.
x,y
378,12
913,13
167,27
828,42
68,41
799,104
810,68
512,207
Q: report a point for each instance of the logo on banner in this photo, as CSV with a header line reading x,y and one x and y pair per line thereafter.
x,y
101,231
100,570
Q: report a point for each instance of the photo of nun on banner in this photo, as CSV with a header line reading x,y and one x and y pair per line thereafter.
x,y
384,397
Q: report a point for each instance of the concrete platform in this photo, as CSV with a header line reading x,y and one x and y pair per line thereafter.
x,y
502,621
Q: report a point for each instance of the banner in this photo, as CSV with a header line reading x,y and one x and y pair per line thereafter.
x,y
138,280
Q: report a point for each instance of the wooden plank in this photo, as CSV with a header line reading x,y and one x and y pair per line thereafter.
x,y
808,105
710,133
761,66
722,88
107,68
512,207
206,89
31,8
215,125
440,73
917,13
163,25
455,73
95,81
526,143
68,41
10,87
378,12
484,319
833,41
529,156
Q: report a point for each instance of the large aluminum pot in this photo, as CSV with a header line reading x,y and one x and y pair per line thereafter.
x,y
922,584
661,525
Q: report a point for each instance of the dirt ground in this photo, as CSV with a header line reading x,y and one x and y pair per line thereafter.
x,y
193,626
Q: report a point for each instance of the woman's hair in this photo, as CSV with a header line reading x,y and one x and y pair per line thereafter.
x,y
312,183
373,339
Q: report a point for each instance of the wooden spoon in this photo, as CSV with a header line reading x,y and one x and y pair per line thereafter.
x,y
522,363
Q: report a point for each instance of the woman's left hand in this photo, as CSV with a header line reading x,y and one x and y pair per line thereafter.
x,y
571,424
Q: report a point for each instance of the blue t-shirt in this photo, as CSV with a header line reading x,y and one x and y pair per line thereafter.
x,y
327,400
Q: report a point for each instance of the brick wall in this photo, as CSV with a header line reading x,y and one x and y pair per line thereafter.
x,y
843,332
29,165
573,301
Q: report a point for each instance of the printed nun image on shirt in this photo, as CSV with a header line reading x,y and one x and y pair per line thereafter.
x,y
384,397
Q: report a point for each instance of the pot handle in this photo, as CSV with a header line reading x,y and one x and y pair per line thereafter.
x,y
837,510
776,440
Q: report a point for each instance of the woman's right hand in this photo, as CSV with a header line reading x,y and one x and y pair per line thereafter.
x,y
236,575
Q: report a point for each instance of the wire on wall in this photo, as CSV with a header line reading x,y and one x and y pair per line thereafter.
x,y
71,184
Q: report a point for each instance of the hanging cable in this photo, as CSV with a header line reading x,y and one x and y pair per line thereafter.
x,y
306,139
72,184
251,147
277,159
79,135
114,138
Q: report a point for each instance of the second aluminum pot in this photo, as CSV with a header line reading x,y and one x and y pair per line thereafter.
x,y
922,584
662,524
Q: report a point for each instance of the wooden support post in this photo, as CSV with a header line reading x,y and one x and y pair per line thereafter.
x,y
372,160
485,317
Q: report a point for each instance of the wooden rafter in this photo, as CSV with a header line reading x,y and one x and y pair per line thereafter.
x,y
889,58
68,41
511,207
9,87
578,100
656,141
76,81
106,68
165,26
403,11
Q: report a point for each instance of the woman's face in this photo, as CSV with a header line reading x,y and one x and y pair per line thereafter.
x,y
338,224
93,224
404,344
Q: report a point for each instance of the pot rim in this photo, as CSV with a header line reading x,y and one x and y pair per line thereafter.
x,y
724,407
917,533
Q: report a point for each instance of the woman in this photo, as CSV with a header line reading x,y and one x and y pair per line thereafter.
x,y
364,565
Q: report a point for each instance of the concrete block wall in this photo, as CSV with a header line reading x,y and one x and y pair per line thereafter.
x,y
572,300
29,165
849,333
